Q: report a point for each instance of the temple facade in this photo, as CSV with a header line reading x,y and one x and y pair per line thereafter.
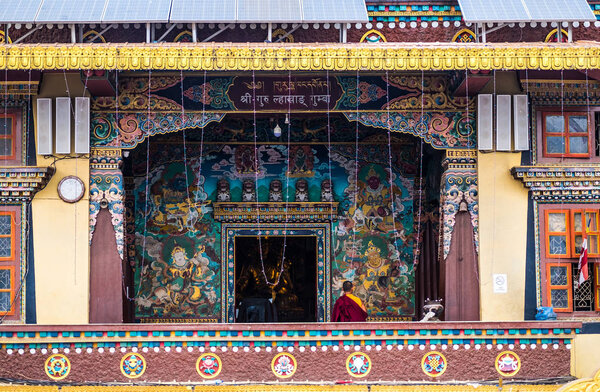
x,y
195,190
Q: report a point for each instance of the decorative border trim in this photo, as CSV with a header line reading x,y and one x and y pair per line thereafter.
x,y
308,57
322,211
322,231
22,183
560,183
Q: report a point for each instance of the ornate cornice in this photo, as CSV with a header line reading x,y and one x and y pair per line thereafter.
x,y
560,182
105,159
19,184
301,57
275,211
460,159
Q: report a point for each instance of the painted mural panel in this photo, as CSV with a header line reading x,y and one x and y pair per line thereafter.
x,y
178,243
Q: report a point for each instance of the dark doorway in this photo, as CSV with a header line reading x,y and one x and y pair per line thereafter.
x,y
264,291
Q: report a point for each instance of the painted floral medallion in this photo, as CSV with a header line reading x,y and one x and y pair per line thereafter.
x,y
133,365
57,366
508,363
284,365
434,364
208,365
358,364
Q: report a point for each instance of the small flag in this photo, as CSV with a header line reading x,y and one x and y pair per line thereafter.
x,y
583,262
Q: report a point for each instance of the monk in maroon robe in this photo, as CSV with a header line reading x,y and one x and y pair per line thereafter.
x,y
349,308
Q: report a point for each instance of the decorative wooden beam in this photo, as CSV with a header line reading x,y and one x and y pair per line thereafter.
x,y
301,57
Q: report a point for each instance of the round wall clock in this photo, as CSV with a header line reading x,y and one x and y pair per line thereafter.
x,y
71,189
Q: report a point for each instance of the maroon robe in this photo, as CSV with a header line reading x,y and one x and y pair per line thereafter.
x,y
347,310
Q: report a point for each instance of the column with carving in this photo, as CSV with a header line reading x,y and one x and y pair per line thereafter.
x,y
459,243
106,236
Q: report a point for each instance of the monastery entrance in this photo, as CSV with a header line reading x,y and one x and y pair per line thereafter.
x,y
275,279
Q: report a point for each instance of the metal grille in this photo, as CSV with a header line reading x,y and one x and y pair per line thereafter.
x,y
583,296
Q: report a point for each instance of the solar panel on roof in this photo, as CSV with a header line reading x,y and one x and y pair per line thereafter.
x,y
348,11
129,11
560,10
61,11
203,11
19,11
481,11
269,11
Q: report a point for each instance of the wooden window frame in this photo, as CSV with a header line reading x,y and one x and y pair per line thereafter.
x,y
574,233
568,286
11,290
14,261
596,274
566,233
567,135
12,137
13,217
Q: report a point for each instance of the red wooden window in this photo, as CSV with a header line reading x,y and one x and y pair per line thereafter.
x,y
558,239
9,263
567,134
590,226
8,137
597,283
559,286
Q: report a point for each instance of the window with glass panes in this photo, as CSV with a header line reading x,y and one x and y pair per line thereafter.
x,y
7,136
8,262
564,230
566,134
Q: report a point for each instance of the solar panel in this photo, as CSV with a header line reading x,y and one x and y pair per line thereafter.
x,y
348,11
481,11
19,11
137,11
61,11
203,11
560,10
269,11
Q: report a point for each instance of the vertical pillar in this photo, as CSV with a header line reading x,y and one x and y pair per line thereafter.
x,y
106,236
460,238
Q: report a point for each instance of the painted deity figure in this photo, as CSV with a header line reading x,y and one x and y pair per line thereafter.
x,y
223,191
302,190
275,191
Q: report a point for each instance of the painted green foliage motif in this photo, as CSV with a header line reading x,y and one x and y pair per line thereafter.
x,y
178,243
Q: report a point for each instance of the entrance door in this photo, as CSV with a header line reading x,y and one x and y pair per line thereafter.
x,y
270,287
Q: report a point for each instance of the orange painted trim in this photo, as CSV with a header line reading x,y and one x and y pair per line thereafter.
x,y
12,311
597,283
567,135
584,227
548,233
568,286
12,234
11,136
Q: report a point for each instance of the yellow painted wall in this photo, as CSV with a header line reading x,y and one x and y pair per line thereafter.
x,y
502,235
60,230
585,356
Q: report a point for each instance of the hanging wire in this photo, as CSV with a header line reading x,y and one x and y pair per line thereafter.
x,y
329,155
76,170
356,161
203,123
420,207
256,167
390,169
187,180
470,144
147,186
